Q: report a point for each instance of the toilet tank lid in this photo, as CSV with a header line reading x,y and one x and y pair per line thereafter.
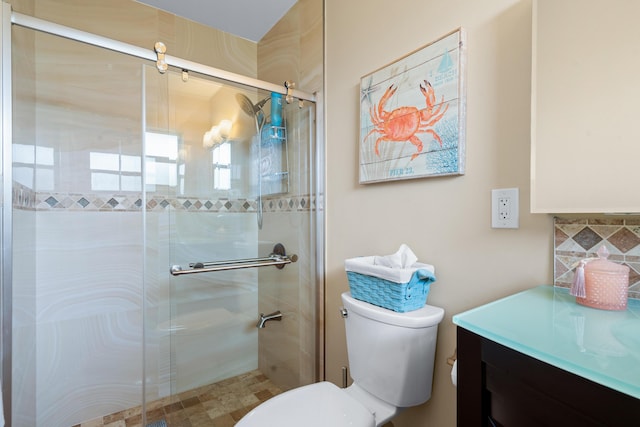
x,y
424,317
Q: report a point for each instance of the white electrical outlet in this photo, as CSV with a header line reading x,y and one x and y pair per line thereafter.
x,y
504,208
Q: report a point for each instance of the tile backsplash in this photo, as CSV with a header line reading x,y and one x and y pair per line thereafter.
x,y
579,238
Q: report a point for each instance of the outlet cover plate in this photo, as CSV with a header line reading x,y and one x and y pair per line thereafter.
x,y
504,208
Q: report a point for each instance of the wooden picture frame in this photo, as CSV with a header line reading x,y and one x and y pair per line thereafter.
x,y
413,114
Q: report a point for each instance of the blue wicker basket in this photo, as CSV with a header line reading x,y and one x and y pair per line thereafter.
x,y
400,297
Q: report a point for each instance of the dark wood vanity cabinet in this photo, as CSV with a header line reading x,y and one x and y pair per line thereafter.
x,y
498,386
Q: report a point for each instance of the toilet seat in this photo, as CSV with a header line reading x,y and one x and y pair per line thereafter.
x,y
316,405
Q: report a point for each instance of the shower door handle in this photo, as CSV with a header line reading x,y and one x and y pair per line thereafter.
x,y
278,259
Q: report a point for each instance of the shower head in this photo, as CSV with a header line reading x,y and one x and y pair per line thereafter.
x,y
247,105
252,110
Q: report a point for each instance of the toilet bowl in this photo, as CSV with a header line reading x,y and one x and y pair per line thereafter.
x,y
391,357
316,405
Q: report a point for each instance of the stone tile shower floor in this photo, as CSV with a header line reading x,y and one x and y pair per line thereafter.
x,y
217,405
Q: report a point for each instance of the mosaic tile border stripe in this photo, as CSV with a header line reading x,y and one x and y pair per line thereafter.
x,y
27,199
576,239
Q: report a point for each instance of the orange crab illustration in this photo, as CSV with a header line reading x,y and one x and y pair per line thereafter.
x,y
403,123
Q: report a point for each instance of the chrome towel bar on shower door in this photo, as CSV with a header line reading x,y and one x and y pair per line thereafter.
x,y
278,258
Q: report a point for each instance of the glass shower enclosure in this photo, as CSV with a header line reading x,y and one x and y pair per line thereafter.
x,y
227,190
130,188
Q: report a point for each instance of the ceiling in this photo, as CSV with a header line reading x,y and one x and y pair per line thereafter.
x,y
249,19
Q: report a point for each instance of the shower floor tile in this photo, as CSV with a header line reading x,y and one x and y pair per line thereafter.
x,y
216,405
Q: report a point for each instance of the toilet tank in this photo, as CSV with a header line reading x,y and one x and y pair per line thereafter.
x,y
391,355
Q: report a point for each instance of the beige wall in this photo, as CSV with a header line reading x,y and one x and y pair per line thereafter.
x,y
446,221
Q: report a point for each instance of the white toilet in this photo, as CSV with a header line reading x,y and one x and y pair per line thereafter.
x,y
391,357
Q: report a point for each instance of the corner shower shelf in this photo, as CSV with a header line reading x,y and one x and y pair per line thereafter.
x,y
274,161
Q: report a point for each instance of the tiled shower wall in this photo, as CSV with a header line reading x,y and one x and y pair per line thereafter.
x,y
579,238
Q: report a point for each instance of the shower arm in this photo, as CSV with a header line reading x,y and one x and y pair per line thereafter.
x,y
278,259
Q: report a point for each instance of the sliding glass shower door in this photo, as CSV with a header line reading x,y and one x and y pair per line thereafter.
x,y
227,184
120,172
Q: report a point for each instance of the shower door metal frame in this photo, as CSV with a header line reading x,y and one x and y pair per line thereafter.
x,y
6,293
129,49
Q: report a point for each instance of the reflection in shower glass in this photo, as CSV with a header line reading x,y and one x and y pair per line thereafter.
x,y
161,157
222,166
33,163
114,172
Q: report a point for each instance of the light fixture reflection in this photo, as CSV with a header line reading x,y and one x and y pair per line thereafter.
x,y
217,134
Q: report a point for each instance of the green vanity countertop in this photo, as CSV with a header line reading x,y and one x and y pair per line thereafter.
x,y
547,324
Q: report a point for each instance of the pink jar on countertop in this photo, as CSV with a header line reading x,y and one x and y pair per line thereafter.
x,y
606,283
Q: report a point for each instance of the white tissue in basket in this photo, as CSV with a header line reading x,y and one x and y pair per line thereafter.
x,y
404,258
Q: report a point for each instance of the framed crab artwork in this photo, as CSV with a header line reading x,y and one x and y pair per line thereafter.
x,y
412,114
